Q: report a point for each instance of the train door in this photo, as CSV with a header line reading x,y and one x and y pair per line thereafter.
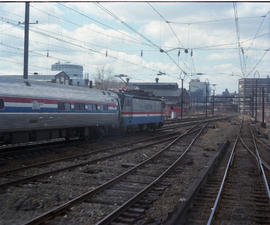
x,y
129,108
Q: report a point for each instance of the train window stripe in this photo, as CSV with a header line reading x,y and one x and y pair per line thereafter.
x,y
50,101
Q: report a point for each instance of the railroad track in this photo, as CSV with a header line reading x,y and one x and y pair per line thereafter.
x,y
22,175
25,174
189,123
10,152
237,192
199,117
121,196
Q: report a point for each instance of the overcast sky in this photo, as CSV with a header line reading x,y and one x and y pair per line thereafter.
x,y
128,38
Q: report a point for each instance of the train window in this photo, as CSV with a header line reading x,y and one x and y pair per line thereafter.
x,y
2,105
79,106
105,107
104,92
100,107
61,106
64,106
90,107
67,106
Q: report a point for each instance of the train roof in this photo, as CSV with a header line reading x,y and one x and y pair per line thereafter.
x,y
140,94
44,90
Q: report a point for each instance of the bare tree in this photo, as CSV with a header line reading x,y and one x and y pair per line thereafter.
x,y
105,80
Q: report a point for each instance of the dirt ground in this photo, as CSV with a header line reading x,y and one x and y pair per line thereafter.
x,y
205,148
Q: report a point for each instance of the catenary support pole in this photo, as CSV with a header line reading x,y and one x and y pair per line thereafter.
x,y
182,93
256,99
26,41
263,124
206,100
213,109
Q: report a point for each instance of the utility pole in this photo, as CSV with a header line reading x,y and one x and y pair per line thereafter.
x,y
26,41
256,102
206,91
213,110
263,124
252,101
182,82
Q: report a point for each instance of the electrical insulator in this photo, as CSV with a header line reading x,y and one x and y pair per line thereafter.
x,y
106,53
191,53
178,52
141,53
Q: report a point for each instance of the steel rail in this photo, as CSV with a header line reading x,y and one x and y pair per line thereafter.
x,y
194,122
266,165
31,178
113,215
85,154
14,147
55,211
35,177
266,145
260,164
213,209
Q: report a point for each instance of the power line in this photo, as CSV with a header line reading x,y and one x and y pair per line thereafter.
x,y
257,32
36,30
78,25
259,61
218,45
167,22
103,24
21,64
141,35
124,23
213,21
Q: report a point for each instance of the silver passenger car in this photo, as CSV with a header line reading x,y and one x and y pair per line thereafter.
x,y
37,110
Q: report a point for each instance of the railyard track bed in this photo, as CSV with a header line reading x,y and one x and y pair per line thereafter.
x,y
56,152
13,151
45,194
237,190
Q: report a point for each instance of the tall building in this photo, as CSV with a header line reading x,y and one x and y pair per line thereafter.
x,y
250,93
198,89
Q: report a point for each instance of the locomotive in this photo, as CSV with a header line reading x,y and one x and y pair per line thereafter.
x,y
33,111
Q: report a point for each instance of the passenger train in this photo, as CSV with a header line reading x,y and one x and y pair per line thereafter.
x,y
33,111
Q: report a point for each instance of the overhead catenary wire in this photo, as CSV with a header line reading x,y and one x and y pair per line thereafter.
x,y
33,52
125,24
259,61
214,21
141,35
78,25
257,32
211,47
103,24
37,30
240,50
167,22
131,40
172,30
